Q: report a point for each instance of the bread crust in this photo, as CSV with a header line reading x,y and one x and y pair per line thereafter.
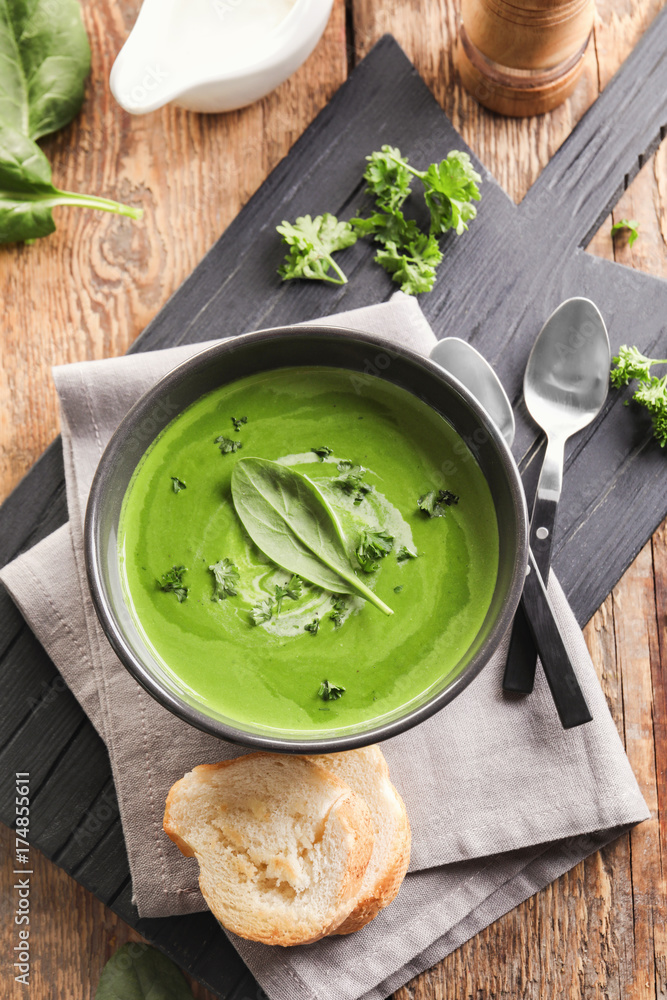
x,y
372,899
347,813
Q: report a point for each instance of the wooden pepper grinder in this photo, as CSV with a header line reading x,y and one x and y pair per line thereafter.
x,y
523,57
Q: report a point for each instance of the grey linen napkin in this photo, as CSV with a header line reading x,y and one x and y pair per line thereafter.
x,y
501,799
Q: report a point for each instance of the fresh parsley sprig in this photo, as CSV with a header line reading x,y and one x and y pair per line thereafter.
x,y
330,692
292,589
226,577
350,481
373,546
311,245
172,583
435,502
630,225
177,484
408,254
631,364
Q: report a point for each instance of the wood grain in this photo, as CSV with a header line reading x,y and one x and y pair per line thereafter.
x,y
599,931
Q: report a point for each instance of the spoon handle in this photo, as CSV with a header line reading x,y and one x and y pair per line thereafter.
x,y
522,655
567,695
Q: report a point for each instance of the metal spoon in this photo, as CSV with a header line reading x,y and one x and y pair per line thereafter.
x,y
565,386
467,365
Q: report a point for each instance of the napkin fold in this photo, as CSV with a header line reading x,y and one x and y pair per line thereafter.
x,y
501,799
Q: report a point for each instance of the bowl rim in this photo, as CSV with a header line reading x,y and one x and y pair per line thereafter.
x,y
222,730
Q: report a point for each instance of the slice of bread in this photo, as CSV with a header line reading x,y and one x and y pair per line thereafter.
x,y
282,844
367,774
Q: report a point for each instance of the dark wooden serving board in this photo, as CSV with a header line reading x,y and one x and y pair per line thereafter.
x,y
497,285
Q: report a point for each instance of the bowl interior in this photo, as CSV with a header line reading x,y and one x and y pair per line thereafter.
x,y
225,363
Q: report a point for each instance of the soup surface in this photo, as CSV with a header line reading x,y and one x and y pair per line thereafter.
x,y
438,577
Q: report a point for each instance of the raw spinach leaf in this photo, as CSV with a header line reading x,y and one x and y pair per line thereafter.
x,y
44,62
291,522
139,972
27,194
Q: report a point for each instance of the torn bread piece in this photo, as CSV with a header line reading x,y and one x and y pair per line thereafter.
x,y
367,774
282,844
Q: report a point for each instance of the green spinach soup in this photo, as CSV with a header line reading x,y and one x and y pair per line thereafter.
x,y
307,549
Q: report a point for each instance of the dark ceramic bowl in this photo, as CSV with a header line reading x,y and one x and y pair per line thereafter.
x,y
265,351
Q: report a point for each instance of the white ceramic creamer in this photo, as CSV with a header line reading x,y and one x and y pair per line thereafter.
x,y
214,55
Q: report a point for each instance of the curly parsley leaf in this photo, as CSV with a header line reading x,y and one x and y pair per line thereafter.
x,y
350,481
652,391
262,611
239,422
227,446
412,266
322,452
388,178
404,553
226,577
436,502
177,484
450,187
339,608
313,627
292,589
330,692
373,546
172,583
311,243
631,363
653,395
394,228
626,224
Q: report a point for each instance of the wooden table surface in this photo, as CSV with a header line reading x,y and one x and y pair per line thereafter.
x,y
87,292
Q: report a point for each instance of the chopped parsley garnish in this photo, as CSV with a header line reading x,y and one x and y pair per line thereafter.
x,y
177,484
630,225
351,482
226,445
373,546
226,577
339,608
436,502
262,612
172,582
239,422
322,452
292,589
330,692
404,553
313,627
398,589
651,392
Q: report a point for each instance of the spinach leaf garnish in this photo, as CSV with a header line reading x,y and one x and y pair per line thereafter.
x,y
172,582
436,502
291,522
138,972
330,692
177,484
227,446
373,546
226,577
